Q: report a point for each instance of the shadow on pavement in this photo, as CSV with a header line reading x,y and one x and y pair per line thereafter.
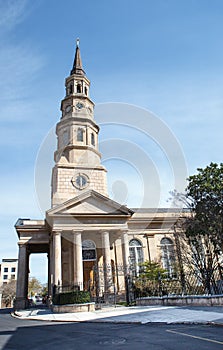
x,y
36,335
6,310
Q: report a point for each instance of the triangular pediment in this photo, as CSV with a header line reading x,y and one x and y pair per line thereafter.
x,y
90,203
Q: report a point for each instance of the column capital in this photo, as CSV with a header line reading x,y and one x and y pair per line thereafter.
x,y
77,231
56,232
104,232
77,236
22,244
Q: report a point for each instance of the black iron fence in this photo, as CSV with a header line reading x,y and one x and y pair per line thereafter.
x,y
123,285
190,284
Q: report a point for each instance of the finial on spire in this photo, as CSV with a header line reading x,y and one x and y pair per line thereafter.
x,y
77,65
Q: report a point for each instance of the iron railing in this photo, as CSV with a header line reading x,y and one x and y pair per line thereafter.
x,y
139,286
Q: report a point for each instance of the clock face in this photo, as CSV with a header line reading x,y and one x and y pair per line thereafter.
x,y
79,105
80,181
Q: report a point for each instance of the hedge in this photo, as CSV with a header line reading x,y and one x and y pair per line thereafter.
x,y
75,297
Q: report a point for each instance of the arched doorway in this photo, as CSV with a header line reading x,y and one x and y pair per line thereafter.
x,y
89,256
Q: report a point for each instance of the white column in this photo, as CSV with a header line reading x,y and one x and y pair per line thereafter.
x,y
125,250
78,261
107,261
22,278
70,261
57,257
51,267
74,278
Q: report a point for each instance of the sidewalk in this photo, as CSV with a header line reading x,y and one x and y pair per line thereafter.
x,y
134,314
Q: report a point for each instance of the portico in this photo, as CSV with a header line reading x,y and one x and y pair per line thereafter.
x,y
84,230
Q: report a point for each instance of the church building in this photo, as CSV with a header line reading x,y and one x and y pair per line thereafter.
x,y
91,241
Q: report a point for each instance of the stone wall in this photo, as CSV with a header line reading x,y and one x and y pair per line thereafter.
x,y
193,300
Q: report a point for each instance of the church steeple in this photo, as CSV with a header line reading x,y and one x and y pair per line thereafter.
x,y
77,97
77,65
77,159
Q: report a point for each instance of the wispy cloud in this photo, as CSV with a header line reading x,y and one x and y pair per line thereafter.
x,y
19,62
18,66
12,13
18,196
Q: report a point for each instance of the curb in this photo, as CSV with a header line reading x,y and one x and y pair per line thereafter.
x,y
209,323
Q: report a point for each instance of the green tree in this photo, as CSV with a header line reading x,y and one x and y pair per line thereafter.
x,y
201,228
149,281
8,291
34,287
152,270
205,193
44,290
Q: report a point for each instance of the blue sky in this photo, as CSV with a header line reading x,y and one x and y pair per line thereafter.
x,y
165,56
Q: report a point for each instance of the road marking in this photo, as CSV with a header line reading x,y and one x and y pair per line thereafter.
x,y
194,336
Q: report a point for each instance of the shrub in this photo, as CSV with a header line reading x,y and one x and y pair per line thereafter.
x,y
75,297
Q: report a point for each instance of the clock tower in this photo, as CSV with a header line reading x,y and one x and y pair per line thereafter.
x,y
77,159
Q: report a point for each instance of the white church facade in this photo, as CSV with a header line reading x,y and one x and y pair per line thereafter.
x,y
88,237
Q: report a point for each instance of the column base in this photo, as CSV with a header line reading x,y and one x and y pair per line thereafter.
x,y
21,303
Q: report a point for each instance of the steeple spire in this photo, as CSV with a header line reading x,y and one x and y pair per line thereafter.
x,y
77,66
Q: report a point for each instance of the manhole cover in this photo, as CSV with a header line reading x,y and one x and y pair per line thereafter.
x,y
116,341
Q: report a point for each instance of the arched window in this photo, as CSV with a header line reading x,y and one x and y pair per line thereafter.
x,y
92,139
65,138
136,255
79,88
80,134
167,255
88,250
71,89
85,90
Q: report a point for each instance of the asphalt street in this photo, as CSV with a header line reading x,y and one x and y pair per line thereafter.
x,y
39,335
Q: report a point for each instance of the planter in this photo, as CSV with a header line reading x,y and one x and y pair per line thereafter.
x,y
86,307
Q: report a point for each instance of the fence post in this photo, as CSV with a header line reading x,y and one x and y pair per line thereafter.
x,y
127,289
